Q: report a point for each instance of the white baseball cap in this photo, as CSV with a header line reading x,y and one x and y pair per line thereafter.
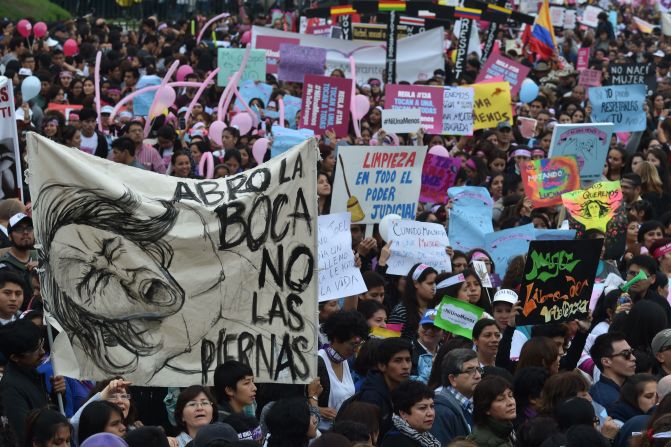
x,y
505,296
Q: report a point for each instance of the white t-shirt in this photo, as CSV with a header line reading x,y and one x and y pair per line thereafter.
x,y
89,144
340,391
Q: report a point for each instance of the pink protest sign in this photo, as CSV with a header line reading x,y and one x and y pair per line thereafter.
x,y
325,104
429,100
498,66
438,174
272,46
590,78
583,59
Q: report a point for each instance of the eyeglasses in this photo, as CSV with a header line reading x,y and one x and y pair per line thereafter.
x,y
198,404
472,371
22,230
118,396
626,354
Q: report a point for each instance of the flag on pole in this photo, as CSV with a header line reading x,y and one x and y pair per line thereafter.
x,y
643,26
411,21
391,5
467,13
342,10
542,40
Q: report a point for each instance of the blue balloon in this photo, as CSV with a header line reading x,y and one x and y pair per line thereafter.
x,y
30,88
528,91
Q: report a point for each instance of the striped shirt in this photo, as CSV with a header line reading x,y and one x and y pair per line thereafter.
x,y
149,157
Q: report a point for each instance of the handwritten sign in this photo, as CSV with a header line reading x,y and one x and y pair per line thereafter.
x,y
285,138
588,143
438,174
401,120
230,59
590,16
458,110
492,104
429,100
545,180
373,181
594,207
326,104
415,242
338,276
296,61
621,105
558,279
512,71
503,245
470,217
457,317
623,74
583,59
527,126
589,78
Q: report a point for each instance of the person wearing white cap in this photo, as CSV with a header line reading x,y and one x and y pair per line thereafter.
x,y
21,257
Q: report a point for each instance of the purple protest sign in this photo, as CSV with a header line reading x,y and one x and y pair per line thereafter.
x,y
326,102
438,174
429,100
511,71
296,61
272,46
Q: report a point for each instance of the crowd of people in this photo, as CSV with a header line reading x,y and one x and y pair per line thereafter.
x,y
601,381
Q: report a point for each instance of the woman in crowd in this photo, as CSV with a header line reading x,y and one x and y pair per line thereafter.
x,y
418,298
413,417
195,408
47,428
100,417
291,422
494,410
638,395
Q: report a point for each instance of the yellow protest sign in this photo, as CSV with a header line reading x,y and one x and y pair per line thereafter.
x,y
594,207
491,104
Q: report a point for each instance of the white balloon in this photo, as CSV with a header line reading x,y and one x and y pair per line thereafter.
x,y
385,225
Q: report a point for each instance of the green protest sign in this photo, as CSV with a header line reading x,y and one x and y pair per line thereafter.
x,y
457,317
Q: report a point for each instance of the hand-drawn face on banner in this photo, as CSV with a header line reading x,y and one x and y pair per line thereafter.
x,y
596,206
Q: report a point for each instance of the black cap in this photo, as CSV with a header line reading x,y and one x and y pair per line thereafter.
x,y
19,337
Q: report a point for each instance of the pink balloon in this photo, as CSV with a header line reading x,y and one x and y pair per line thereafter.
x,y
183,72
216,130
246,37
243,121
24,27
361,106
206,165
70,47
40,30
439,150
165,97
259,149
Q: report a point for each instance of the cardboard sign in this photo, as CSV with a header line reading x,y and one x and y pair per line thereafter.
x,y
621,105
230,59
373,181
590,16
401,120
527,126
545,180
438,175
429,100
272,46
623,74
590,78
457,317
326,103
588,143
557,16
284,138
570,18
458,110
415,242
297,61
470,217
513,72
338,276
503,245
492,105
583,59
594,207
558,279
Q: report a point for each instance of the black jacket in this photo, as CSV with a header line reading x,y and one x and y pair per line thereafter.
x,y
374,390
21,390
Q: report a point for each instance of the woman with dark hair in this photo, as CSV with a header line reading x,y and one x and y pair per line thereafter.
x,y
541,352
494,410
638,395
645,320
365,361
527,388
194,409
182,165
71,136
649,232
100,417
328,162
560,387
323,193
413,417
374,312
464,286
419,296
47,428
346,331
365,413
459,261
658,158
198,148
291,423
615,163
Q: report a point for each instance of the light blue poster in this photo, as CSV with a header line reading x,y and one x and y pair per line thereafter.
x,y
504,245
543,234
621,105
250,89
292,104
142,102
587,142
470,217
230,59
284,139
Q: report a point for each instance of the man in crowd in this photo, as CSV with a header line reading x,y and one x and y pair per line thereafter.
x,y
615,359
21,258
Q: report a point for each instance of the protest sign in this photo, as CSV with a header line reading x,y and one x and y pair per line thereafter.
x,y
159,279
416,58
230,59
621,105
481,270
588,143
392,41
590,16
461,50
284,138
527,126
296,61
557,16
491,104
623,74
458,110
10,170
569,19
558,279
326,104
513,72
338,276
374,31
272,46
457,317
373,181
594,207
401,120
545,180
589,78
470,217
429,100
416,242
583,59
253,89
438,174
504,245
549,234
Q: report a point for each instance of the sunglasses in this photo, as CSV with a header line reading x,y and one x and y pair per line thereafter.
x,y
626,354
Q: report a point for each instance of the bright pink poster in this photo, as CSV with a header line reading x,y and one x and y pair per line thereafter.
x,y
583,59
429,100
501,66
325,105
438,174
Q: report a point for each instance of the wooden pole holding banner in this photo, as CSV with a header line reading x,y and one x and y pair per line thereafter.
x,y
462,47
392,28
50,337
6,83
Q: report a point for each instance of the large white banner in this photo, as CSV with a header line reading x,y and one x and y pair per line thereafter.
x,y
160,279
416,58
10,171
